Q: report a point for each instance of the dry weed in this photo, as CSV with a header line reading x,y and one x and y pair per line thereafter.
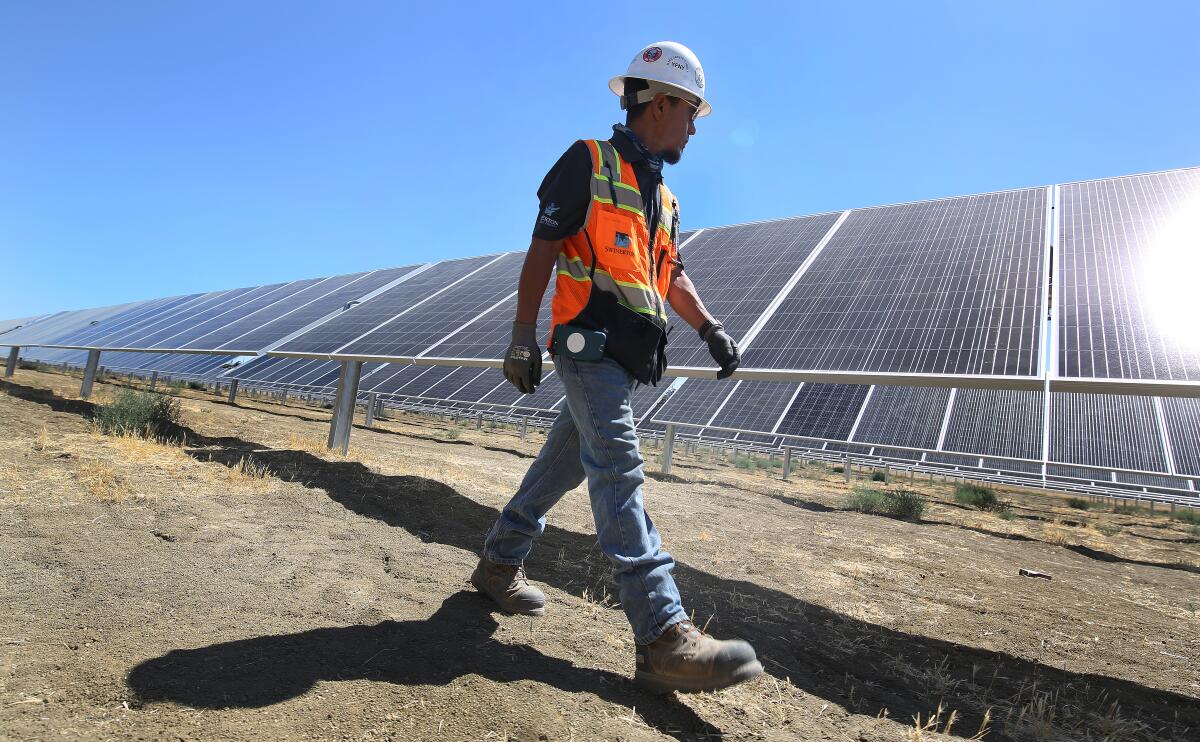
x,y
102,481
42,442
1055,534
136,448
316,445
250,472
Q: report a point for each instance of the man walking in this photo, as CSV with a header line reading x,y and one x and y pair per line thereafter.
x,y
608,226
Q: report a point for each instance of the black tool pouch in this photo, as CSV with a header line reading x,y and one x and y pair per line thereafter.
x,y
635,341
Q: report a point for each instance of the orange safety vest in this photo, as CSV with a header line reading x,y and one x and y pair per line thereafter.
x,y
611,253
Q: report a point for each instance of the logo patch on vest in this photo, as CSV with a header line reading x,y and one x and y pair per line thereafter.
x,y
622,240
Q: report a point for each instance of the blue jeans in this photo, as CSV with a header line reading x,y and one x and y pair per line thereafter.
x,y
594,437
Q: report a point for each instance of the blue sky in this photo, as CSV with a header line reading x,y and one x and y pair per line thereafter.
x,y
151,148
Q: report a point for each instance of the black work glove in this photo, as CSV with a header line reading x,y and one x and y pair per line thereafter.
x,y
523,359
721,347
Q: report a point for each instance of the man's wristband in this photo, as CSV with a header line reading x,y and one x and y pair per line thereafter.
x,y
708,328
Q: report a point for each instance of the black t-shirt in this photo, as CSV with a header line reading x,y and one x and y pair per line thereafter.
x,y
566,191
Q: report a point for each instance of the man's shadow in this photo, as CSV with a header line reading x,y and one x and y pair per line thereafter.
x,y
456,640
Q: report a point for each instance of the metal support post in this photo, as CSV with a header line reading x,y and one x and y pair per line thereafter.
x,y
887,473
89,373
14,355
787,462
846,466
153,380
372,399
668,448
479,421
233,385
343,406
524,427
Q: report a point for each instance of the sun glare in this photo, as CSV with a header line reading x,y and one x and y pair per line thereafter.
x,y
1171,282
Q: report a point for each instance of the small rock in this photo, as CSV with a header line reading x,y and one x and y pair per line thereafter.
x,y
1033,573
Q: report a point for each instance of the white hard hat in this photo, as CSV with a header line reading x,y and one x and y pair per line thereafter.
x,y
669,67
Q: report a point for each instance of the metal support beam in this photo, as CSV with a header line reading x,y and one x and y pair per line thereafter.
x,y
372,401
233,385
343,406
478,420
524,427
14,355
668,448
787,462
846,467
153,380
89,373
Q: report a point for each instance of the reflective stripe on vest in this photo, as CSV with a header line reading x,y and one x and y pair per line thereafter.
x,y
615,237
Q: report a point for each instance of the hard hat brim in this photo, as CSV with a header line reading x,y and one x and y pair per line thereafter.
x,y
617,85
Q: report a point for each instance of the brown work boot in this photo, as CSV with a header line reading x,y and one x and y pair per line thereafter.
x,y
686,659
506,584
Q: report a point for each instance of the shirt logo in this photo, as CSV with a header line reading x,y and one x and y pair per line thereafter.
x,y
549,211
622,240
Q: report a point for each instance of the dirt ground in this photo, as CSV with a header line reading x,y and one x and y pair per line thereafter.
x,y
249,585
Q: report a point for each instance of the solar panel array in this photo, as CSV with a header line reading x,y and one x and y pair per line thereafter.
x,y
923,293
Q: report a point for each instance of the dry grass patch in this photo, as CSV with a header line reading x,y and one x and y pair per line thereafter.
x,y
155,450
316,445
42,441
102,481
252,473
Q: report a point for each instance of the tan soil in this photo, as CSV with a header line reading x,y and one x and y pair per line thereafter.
x,y
152,591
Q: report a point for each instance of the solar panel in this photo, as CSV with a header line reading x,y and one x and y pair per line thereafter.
x,y
450,383
1105,430
480,386
756,405
695,401
940,287
738,271
49,329
1127,277
84,336
824,410
12,324
256,304
160,324
1182,420
996,422
217,332
451,311
375,314
256,369
316,306
903,416
391,377
188,327
488,335
547,397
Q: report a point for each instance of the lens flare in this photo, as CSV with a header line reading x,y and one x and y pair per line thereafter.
x,y
1171,279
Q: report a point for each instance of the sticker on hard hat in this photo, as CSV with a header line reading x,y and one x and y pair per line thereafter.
x,y
678,63
652,54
